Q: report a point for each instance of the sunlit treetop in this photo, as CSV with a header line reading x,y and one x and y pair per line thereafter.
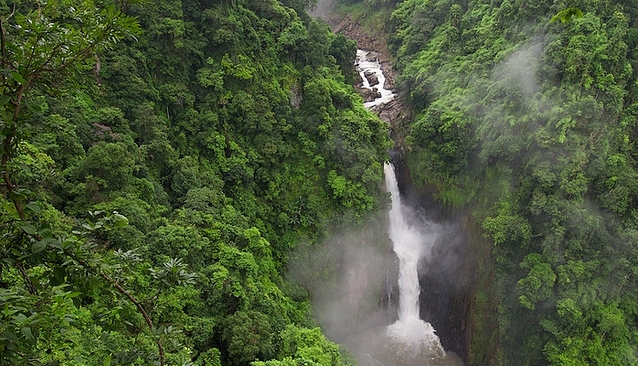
x,y
566,15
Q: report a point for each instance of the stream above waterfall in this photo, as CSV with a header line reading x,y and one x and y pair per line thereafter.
x,y
373,80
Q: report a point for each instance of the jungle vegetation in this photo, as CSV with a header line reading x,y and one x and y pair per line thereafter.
x,y
160,160
525,118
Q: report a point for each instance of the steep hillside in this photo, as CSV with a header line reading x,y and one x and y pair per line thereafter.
x,y
160,161
525,117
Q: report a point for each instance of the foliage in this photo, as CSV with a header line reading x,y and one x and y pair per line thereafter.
x,y
565,16
160,160
524,117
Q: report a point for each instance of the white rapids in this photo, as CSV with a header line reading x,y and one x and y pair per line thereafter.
x,y
368,62
409,341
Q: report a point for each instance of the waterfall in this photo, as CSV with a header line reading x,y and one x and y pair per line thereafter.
x,y
408,241
409,341
415,335
406,244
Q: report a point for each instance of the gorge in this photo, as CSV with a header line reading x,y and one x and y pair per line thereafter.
x,y
190,182
426,255
522,146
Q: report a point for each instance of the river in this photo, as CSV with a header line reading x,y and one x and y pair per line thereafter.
x,y
409,341
373,78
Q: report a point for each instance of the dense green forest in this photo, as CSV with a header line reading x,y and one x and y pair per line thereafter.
x,y
160,160
525,117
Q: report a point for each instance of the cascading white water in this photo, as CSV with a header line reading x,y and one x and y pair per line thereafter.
x,y
410,341
416,336
368,62
413,337
406,243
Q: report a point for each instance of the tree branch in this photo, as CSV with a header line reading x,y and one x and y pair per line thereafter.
x,y
3,47
129,296
6,148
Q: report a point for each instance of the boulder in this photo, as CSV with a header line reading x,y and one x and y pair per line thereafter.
x,y
372,77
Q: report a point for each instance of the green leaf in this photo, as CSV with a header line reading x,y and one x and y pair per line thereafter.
x,y
36,106
26,331
42,244
39,246
4,99
119,220
566,15
45,232
17,77
20,194
27,227
8,312
58,276
6,115
34,206
9,335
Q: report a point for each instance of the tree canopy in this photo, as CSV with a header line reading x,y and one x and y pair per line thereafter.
x,y
524,117
160,161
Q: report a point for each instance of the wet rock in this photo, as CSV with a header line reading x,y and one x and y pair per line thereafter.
x,y
296,96
369,94
372,77
353,30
